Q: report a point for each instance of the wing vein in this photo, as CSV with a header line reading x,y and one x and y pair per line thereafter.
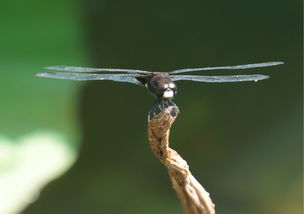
x,y
131,78
256,65
217,79
87,70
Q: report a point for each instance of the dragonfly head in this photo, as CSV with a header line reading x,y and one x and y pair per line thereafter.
x,y
166,90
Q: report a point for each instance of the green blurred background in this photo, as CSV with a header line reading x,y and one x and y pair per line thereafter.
x,y
243,141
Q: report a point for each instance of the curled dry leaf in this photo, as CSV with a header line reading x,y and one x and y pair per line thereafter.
x,y
193,197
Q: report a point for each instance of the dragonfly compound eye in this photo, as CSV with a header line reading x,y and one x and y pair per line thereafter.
x,y
173,87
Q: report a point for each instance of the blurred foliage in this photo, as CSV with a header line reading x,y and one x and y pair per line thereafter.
x,y
38,130
28,165
243,141
35,34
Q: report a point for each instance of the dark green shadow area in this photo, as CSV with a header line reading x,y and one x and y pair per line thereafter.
x,y
243,141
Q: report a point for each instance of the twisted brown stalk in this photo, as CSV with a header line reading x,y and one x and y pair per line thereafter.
x,y
193,197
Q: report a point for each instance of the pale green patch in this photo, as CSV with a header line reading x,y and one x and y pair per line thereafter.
x,y
27,165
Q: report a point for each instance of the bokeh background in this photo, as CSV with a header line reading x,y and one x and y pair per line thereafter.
x,y
243,141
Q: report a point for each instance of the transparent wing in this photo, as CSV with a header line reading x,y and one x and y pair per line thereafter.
x,y
215,79
256,65
80,76
84,69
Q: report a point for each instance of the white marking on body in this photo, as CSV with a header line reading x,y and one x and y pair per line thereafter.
x,y
168,94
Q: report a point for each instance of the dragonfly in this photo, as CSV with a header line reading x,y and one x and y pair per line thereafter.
x,y
160,84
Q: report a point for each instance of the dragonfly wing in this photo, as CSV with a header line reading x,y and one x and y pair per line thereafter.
x,y
217,79
85,70
131,78
256,65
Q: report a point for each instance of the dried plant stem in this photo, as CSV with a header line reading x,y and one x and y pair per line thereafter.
x,y
193,197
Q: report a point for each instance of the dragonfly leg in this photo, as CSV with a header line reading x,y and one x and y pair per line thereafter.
x,y
158,106
167,104
172,103
154,109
